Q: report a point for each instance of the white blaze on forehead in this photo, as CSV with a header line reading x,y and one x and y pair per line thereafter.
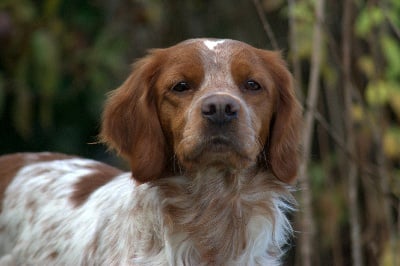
x,y
212,44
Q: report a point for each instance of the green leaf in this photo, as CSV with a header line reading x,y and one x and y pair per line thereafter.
x,y
391,142
391,50
369,17
303,11
377,92
366,65
363,24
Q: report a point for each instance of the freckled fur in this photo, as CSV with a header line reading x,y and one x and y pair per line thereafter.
x,y
185,202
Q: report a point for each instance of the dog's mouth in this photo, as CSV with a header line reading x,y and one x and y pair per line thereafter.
x,y
218,144
216,150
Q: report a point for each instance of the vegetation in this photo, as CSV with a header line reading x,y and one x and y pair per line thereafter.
x,y
59,58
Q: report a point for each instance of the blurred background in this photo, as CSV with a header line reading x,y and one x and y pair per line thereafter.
x,y
59,58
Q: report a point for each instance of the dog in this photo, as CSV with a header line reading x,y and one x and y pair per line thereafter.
x,y
210,128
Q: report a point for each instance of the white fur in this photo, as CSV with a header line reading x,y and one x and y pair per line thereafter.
x,y
116,224
211,44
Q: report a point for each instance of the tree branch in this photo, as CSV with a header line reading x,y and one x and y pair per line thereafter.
x,y
355,229
266,26
307,220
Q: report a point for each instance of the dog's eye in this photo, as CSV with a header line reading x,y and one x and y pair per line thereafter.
x,y
181,86
252,85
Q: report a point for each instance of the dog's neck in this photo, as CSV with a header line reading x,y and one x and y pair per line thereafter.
x,y
225,215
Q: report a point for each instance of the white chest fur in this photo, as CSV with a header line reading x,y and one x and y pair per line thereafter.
x,y
208,220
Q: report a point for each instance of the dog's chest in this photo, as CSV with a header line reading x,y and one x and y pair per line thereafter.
x,y
136,225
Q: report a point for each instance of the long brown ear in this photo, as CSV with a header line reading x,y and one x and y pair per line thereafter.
x,y
282,148
130,122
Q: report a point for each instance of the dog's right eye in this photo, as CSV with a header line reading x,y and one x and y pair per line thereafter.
x,y
181,86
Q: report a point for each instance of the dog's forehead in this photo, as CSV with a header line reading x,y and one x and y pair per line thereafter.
x,y
216,55
216,48
219,63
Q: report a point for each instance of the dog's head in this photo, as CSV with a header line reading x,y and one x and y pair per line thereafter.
x,y
205,103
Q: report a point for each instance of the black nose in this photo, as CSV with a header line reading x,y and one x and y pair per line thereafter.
x,y
220,109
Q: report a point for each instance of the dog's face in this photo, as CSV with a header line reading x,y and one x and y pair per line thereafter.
x,y
205,103
215,103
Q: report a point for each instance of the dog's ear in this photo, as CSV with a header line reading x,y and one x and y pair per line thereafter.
x,y
282,148
130,121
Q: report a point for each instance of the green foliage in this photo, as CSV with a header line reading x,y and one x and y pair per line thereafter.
x,y
57,54
368,18
377,92
46,71
303,14
366,65
105,57
391,142
383,87
391,51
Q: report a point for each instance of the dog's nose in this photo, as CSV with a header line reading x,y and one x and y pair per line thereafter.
x,y
220,109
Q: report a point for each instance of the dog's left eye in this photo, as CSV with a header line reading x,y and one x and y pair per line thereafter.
x,y
252,85
181,86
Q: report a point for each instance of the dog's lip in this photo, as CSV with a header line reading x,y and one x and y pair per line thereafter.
x,y
216,149
216,145
219,140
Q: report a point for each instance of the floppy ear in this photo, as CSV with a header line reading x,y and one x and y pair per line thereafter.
x,y
284,138
130,122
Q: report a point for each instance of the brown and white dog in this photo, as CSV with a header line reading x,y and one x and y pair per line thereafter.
x,y
211,130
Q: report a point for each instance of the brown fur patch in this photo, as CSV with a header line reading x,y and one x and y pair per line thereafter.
x,y
141,141
12,163
101,175
53,255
